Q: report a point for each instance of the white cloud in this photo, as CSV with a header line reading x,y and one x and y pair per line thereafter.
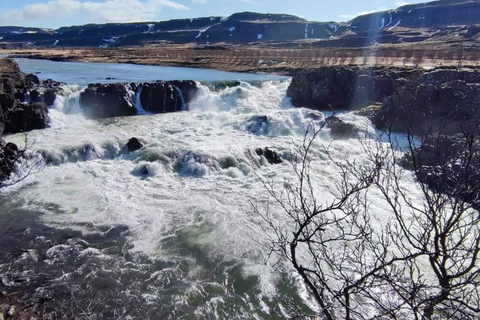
x,y
97,12
351,16
400,3
199,1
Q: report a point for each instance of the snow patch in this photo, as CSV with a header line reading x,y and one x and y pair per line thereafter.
x,y
334,26
201,32
395,25
391,20
232,29
383,24
306,31
259,36
150,28
55,43
111,40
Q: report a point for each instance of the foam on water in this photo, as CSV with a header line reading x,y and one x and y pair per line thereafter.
x,y
186,195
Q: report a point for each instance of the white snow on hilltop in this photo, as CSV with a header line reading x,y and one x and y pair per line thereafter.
x,y
150,28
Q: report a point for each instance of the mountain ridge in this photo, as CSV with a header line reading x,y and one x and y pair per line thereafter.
x,y
409,23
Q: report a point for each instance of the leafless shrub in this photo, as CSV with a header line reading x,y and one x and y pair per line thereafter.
x,y
421,264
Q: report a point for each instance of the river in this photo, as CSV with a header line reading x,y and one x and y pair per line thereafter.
x,y
169,230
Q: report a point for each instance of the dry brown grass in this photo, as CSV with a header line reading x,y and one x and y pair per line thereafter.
x,y
261,59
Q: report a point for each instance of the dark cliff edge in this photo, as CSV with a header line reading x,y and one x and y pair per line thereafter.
x,y
412,99
441,107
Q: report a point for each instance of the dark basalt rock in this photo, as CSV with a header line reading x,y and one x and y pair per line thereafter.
x,y
49,97
438,166
339,129
26,116
345,88
417,99
271,156
35,96
2,129
421,107
134,144
161,96
9,155
32,78
103,101
15,86
113,100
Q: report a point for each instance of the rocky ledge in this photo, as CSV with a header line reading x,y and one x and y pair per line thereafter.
x,y
410,99
24,99
113,100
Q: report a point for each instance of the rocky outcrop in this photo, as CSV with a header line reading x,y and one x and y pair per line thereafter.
x,y
134,144
415,99
167,96
9,155
345,88
449,164
444,100
104,101
271,156
114,100
21,98
340,129
26,116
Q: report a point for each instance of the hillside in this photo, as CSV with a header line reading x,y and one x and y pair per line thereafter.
x,y
434,21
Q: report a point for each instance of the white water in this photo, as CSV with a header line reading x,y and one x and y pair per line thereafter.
x,y
186,196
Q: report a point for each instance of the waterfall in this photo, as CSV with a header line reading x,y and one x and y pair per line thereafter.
x,y
180,94
138,101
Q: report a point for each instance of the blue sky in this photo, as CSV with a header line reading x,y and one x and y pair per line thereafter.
x,y
56,13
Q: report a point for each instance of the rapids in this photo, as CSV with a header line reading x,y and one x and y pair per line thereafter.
x,y
169,227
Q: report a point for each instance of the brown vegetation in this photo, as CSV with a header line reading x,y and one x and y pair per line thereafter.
x,y
262,59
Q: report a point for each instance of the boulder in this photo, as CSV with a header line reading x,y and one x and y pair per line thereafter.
x,y
169,96
32,78
134,144
26,116
339,129
271,156
35,96
103,101
49,97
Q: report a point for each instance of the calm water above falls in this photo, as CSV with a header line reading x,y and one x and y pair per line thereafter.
x,y
169,227
84,73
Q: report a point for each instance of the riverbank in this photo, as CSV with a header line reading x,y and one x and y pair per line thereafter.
x,y
253,59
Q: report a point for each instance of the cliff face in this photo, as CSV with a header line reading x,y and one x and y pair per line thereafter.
x,y
404,24
416,100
